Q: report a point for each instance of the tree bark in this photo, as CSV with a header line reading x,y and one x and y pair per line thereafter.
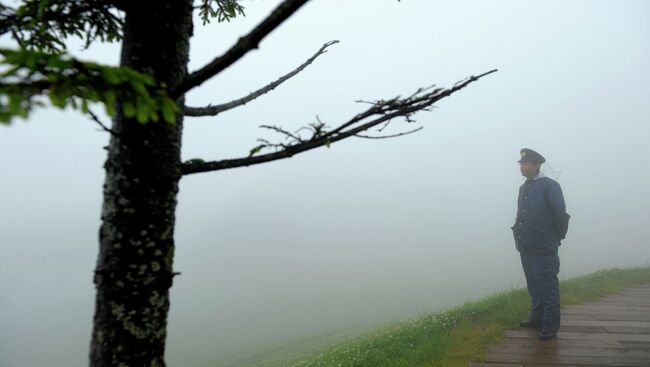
x,y
135,263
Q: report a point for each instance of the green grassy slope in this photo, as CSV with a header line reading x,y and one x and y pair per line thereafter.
x,y
459,335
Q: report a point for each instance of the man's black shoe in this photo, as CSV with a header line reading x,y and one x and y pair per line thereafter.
x,y
547,334
529,323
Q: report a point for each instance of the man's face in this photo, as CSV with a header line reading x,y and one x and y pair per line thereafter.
x,y
529,169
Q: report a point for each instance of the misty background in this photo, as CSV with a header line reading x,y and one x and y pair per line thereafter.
x,y
365,232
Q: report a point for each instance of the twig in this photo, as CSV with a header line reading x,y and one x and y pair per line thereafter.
x,y
389,136
287,134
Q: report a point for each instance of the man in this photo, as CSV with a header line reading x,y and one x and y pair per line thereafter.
x,y
541,223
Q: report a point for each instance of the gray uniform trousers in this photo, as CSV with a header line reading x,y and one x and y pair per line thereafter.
x,y
544,288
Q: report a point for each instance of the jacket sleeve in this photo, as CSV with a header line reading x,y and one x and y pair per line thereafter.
x,y
555,201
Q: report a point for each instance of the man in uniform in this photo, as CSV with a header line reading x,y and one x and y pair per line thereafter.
x,y
541,223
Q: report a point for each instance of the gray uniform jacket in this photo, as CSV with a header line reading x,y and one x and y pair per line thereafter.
x,y
542,220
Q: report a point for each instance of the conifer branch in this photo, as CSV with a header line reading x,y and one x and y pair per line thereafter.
x,y
381,111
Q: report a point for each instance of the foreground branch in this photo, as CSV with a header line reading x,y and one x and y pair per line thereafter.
x,y
380,112
215,110
241,48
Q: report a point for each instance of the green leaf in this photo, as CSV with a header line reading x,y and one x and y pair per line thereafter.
x,y
128,108
57,101
5,118
138,87
84,106
110,109
31,59
168,110
111,76
14,103
109,100
142,112
256,150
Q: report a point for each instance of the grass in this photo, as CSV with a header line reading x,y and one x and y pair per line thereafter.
x,y
459,335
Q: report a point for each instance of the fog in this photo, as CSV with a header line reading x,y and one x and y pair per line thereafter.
x,y
367,231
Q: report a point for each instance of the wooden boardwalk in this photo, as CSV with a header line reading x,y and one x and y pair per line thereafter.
x,y
614,331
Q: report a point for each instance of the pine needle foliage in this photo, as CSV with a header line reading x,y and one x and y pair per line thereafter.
x,y
45,24
40,67
223,10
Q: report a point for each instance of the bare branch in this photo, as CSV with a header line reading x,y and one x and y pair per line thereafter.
x,y
242,47
380,112
217,109
390,136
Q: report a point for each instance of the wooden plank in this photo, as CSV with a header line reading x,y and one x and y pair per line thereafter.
x,y
626,330
564,343
581,336
639,300
636,345
621,299
636,289
584,329
632,293
606,323
614,318
633,304
606,308
613,310
607,317
606,336
566,360
635,292
544,349
620,311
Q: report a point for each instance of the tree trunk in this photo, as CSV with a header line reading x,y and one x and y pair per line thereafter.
x,y
134,267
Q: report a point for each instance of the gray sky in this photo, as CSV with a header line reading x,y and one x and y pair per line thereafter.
x,y
367,231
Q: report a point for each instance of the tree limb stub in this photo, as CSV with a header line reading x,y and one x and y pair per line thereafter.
x,y
380,112
217,109
241,48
